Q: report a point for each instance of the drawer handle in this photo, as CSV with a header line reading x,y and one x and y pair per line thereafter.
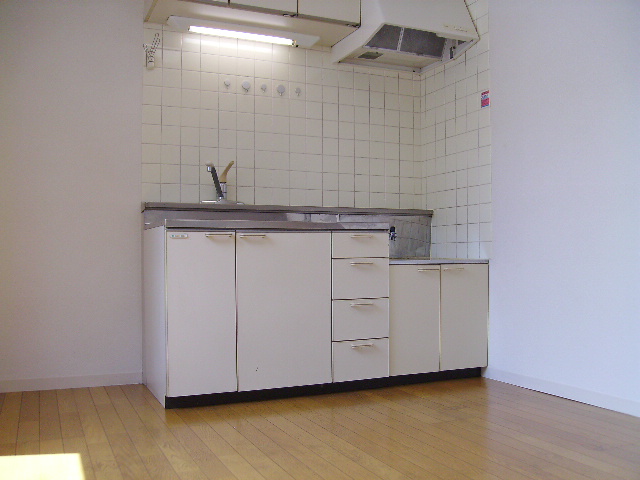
x,y
361,235
213,235
453,269
355,264
362,345
361,304
253,235
429,270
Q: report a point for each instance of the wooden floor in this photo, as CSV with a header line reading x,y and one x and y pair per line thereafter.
x,y
473,428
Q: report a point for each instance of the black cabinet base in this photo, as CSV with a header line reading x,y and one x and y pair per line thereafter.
x,y
256,395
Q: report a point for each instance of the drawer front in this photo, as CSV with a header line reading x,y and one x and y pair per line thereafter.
x,y
361,318
360,278
360,244
360,359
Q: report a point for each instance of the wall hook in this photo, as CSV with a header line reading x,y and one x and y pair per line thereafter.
x,y
280,89
298,91
150,51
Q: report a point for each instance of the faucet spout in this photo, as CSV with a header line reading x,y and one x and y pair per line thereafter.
x,y
216,182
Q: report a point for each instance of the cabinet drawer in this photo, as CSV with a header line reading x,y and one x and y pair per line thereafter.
x,y
360,244
360,359
360,278
361,318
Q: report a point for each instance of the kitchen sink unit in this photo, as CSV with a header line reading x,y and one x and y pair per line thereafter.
x,y
255,302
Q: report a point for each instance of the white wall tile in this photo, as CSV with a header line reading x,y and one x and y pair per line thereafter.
x,y
151,153
151,114
151,95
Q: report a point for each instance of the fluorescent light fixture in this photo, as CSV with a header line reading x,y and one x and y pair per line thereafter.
x,y
245,32
242,35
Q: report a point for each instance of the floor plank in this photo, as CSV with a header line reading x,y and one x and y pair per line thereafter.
x,y
329,431
584,436
285,416
408,441
103,460
158,426
10,418
50,417
154,461
226,461
454,430
70,424
299,461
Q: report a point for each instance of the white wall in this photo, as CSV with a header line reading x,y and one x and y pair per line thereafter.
x,y
70,115
565,271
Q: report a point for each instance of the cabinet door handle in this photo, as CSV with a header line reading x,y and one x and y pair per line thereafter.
x,y
429,270
355,264
453,269
214,235
361,235
361,304
253,235
362,345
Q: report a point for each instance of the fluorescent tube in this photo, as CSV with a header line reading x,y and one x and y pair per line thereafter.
x,y
258,34
242,35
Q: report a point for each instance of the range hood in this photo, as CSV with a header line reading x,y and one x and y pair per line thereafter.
x,y
412,35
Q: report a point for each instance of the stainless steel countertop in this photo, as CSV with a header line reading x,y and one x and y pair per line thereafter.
x,y
434,261
270,225
226,207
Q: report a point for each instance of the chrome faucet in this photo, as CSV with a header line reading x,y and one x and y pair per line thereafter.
x,y
216,182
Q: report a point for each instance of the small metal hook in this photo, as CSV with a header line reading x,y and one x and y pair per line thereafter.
x,y
150,51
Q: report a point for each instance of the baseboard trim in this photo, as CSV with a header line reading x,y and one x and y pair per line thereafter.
x,y
56,383
589,397
270,394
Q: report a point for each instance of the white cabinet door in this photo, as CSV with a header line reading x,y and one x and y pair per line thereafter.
x,y
284,309
288,6
414,319
347,11
201,320
464,316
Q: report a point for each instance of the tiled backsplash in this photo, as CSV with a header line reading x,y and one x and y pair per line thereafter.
x,y
339,135
456,148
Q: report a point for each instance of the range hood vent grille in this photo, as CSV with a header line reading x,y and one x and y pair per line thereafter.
x,y
408,40
408,34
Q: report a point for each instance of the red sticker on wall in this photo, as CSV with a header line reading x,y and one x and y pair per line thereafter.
x,y
485,101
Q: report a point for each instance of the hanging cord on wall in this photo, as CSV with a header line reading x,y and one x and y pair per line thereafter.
x,y
150,51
